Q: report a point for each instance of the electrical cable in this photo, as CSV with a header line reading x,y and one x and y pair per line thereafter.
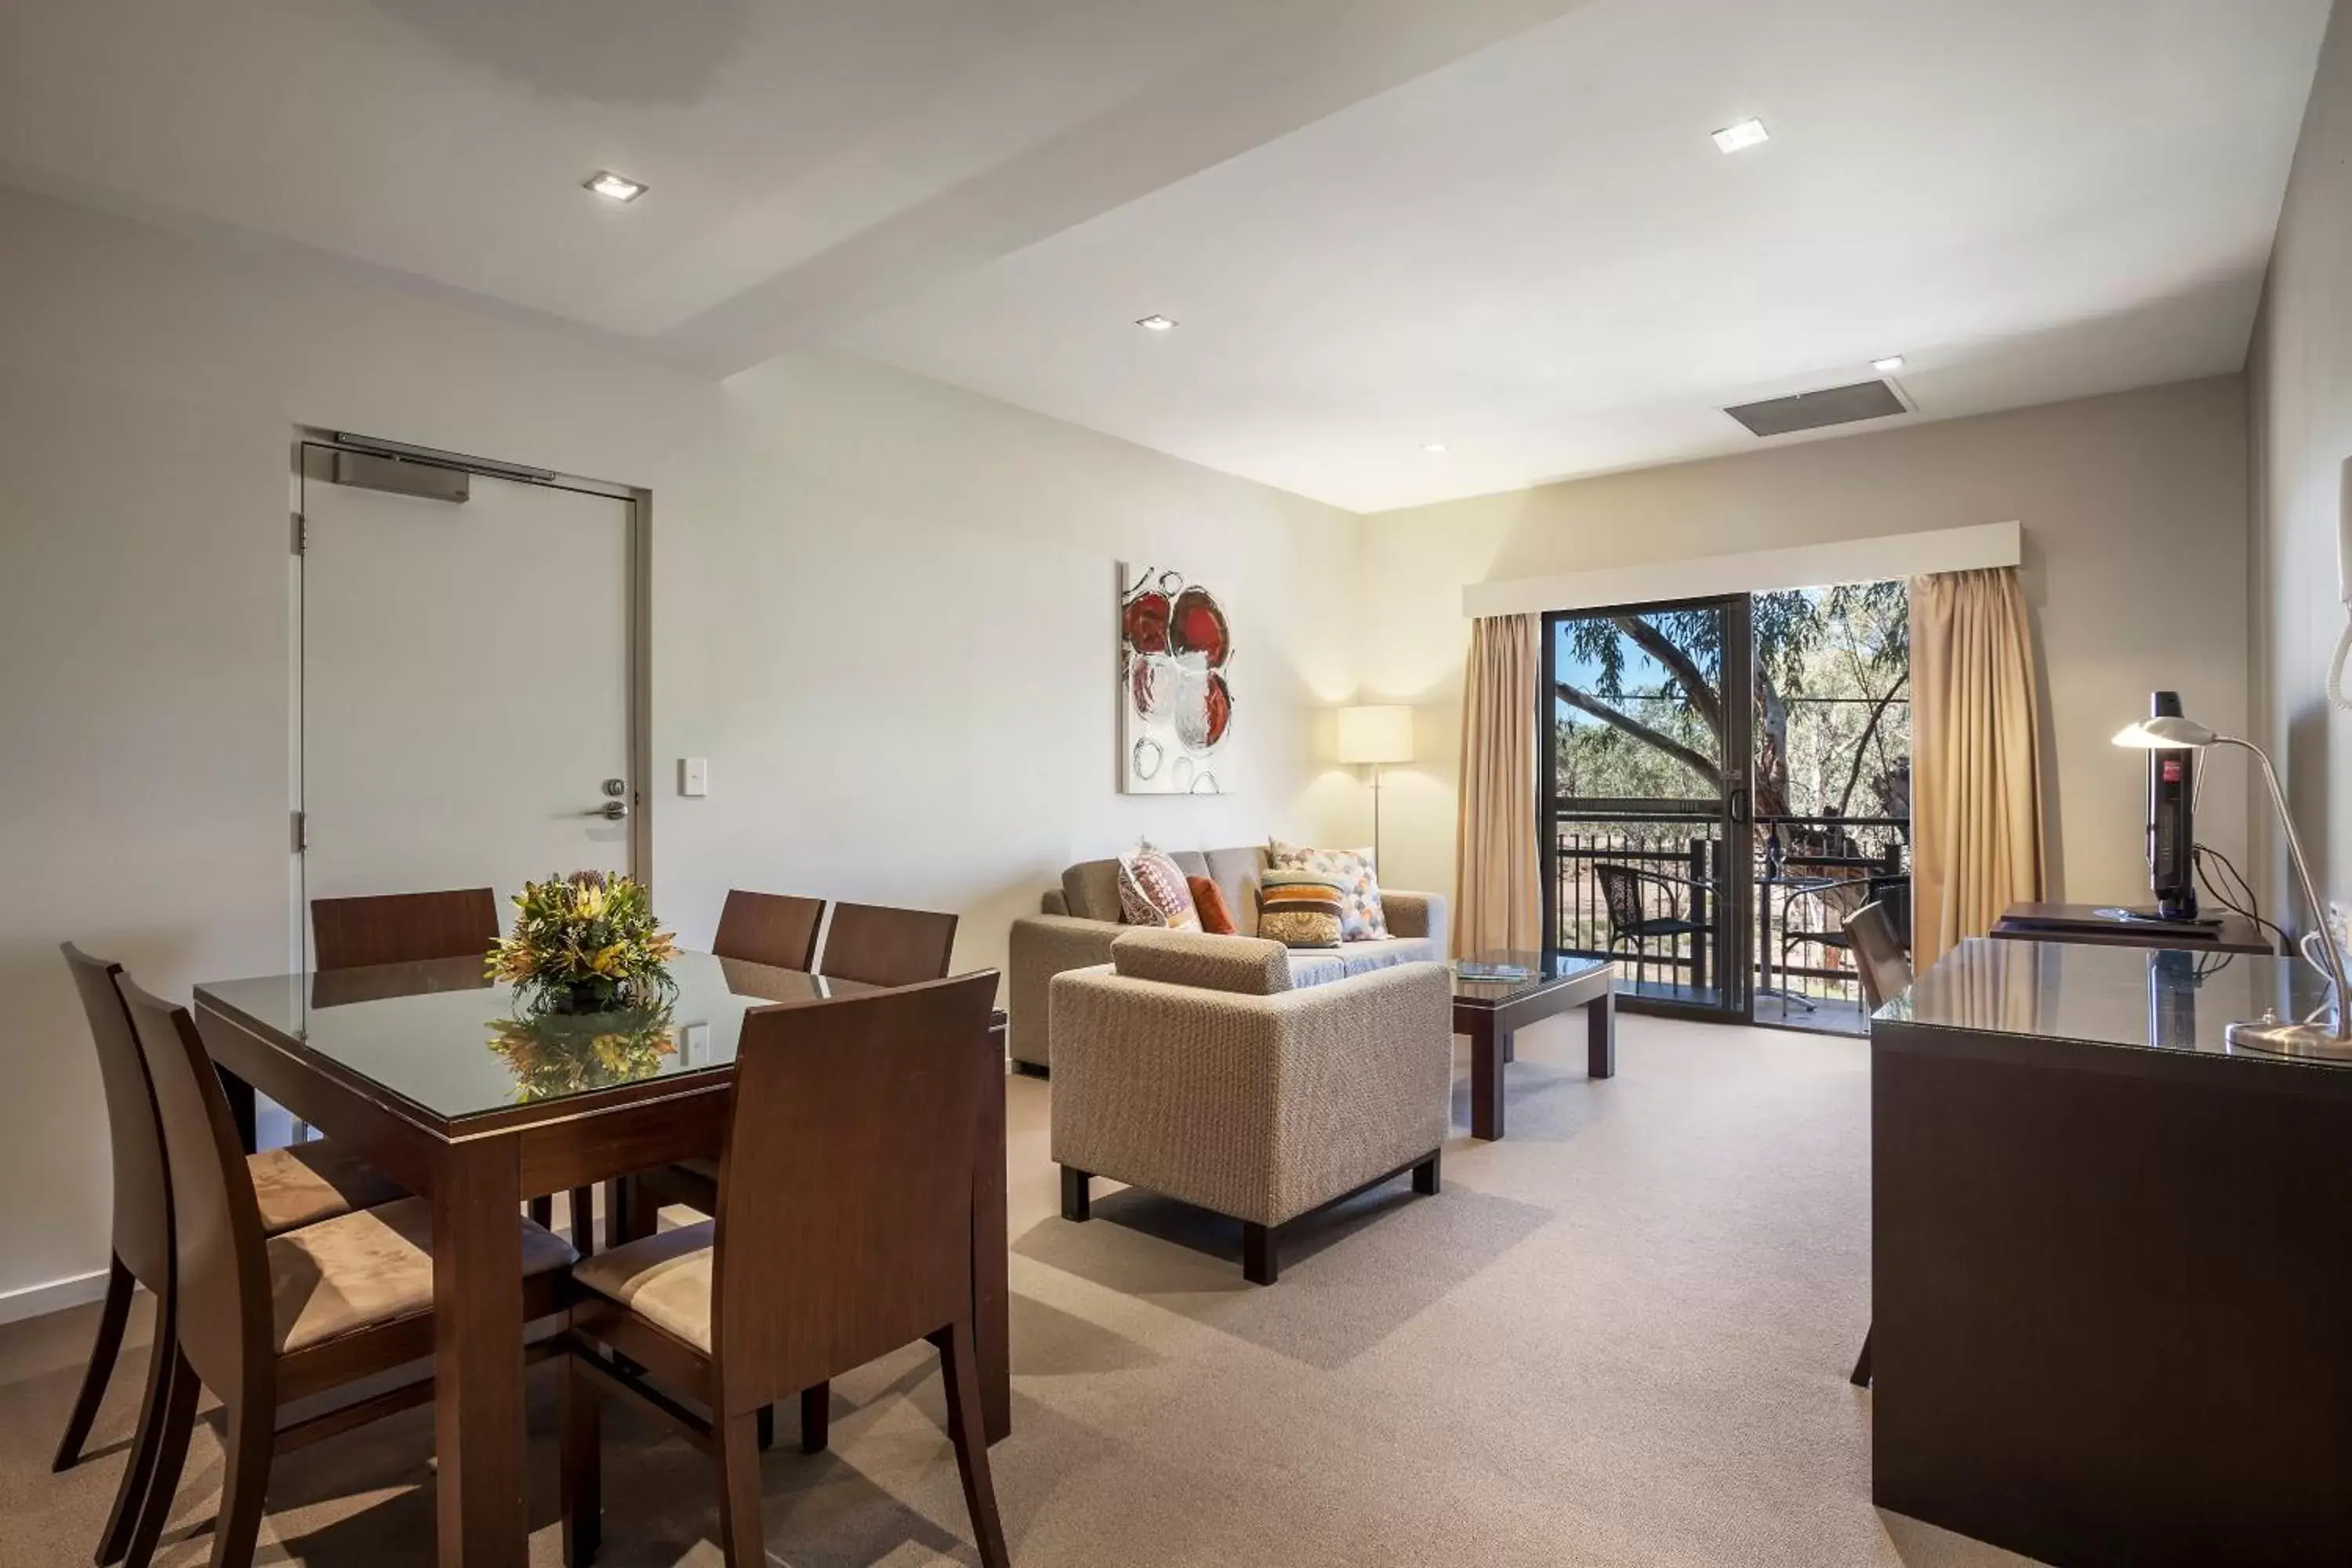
x,y
2243,901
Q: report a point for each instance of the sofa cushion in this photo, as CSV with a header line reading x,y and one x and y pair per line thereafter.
x,y
1236,873
1209,903
1360,917
1090,889
1300,909
1241,965
1152,891
1315,968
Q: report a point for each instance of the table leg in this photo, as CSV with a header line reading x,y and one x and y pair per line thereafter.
x,y
1601,1035
478,1357
1486,1079
991,1283
241,1108
1764,945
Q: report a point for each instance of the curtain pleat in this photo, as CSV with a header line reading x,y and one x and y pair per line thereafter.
x,y
1494,852
1977,767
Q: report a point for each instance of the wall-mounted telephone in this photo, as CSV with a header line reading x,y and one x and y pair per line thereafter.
x,y
2336,693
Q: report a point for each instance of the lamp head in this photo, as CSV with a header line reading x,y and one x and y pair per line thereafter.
x,y
2165,733
1376,735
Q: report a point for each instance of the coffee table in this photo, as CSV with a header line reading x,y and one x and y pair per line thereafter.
x,y
1491,1011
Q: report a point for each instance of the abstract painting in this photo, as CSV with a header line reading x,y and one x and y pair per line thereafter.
x,y
1175,677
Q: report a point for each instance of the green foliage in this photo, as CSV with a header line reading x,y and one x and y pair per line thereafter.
x,y
585,943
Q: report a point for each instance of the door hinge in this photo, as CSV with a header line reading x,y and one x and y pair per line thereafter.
x,y
301,832
301,534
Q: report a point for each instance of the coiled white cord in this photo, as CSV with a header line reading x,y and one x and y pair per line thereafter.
x,y
2336,665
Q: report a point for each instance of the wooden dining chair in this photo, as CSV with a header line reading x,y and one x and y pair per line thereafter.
x,y
843,1231
292,1187
402,928
1884,967
884,946
265,1321
778,930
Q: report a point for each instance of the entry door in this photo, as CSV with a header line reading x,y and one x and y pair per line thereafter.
x,y
1644,809
465,683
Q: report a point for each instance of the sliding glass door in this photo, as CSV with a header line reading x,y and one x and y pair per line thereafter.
x,y
1645,722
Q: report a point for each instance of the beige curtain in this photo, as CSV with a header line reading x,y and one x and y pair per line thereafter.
x,y
1494,846
1976,747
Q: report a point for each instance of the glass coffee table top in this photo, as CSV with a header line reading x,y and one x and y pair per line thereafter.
x,y
1534,975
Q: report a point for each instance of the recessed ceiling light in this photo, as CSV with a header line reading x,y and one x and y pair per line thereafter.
x,y
1740,137
1888,365
614,187
1432,447
1156,324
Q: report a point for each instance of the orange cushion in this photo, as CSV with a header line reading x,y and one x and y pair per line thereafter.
x,y
1209,903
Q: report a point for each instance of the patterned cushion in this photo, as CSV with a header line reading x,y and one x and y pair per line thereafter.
x,y
1362,919
1300,909
1209,903
1151,891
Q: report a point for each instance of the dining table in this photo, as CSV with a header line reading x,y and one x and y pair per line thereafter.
x,y
433,1073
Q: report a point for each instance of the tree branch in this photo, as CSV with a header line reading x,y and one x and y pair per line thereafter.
x,y
1684,754
1658,645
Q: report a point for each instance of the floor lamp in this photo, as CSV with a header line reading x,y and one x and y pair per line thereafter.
x,y
1373,737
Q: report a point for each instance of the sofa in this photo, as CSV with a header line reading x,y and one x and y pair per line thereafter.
x,y
1195,1067
1079,920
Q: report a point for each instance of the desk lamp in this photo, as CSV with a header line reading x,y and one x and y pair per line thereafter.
x,y
2334,1041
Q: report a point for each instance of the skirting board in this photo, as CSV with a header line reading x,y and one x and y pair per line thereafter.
x,y
40,1300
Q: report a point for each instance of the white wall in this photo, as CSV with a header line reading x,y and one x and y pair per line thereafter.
x,y
2133,508
2300,385
882,609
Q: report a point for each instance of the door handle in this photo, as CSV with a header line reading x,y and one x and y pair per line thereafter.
x,y
611,811
1738,804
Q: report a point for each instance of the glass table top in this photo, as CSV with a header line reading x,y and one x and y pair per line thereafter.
x,y
1533,976
2143,999
441,1037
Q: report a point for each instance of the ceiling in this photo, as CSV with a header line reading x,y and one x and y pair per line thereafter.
x,y
1496,225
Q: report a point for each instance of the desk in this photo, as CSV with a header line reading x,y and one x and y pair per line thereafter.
x,y
2017,924
397,1065
2109,1262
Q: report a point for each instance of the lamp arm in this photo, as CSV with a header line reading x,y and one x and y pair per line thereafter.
x,y
2343,1023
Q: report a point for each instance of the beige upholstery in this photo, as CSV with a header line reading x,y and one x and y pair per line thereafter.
x,y
1079,922
664,1278
1238,964
1259,1107
361,1270
306,1183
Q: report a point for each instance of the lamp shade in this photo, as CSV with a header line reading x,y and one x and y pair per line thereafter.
x,y
1381,734
2165,733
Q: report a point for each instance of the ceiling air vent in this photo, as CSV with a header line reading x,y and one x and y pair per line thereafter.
x,y
1813,410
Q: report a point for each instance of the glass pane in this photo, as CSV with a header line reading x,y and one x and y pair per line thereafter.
x,y
1641,724
1832,726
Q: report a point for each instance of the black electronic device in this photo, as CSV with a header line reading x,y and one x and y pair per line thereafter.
x,y
2171,820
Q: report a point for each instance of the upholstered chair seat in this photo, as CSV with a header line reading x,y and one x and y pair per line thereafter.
x,y
665,1279
370,1268
306,1183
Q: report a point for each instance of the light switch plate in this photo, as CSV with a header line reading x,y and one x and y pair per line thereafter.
x,y
693,1044
694,776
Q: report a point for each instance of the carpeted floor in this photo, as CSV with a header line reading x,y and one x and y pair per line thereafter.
x,y
1618,1337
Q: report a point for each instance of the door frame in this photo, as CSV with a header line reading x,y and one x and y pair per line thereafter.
x,y
308,439
1734,900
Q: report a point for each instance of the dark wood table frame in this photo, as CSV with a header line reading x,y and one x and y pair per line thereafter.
x,y
1491,1024
478,1170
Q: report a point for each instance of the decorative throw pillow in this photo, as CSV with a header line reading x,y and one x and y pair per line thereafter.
x,y
1209,903
1300,909
1151,891
1362,919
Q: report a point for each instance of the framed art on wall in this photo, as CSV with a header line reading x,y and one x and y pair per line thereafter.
x,y
1176,695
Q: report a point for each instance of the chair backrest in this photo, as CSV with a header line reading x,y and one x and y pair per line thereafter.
x,y
142,1193
846,1183
1895,894
1878,958
888,947
1621,889
402,928
774,929
221,1275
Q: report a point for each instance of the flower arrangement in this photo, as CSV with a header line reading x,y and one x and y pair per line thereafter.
x,y
585,943
556,1054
